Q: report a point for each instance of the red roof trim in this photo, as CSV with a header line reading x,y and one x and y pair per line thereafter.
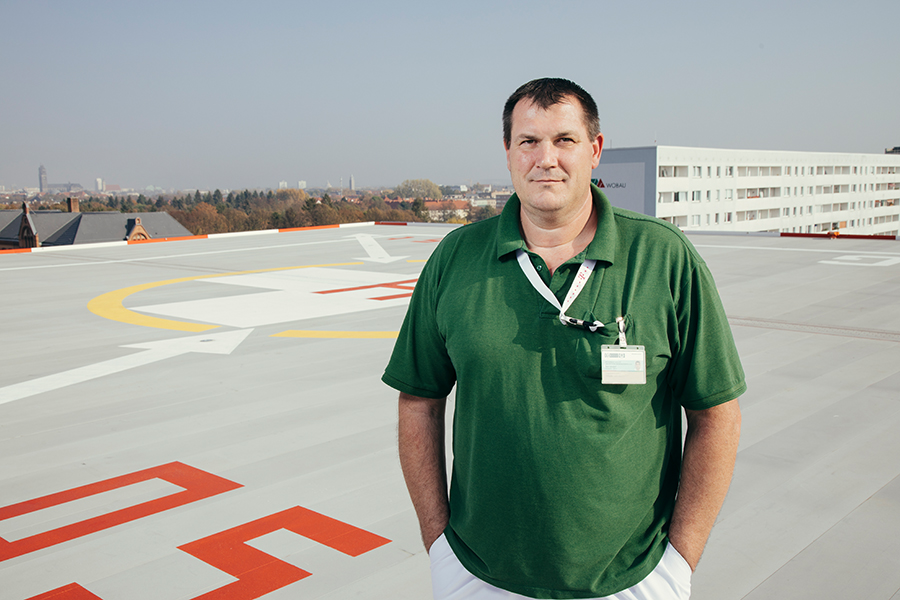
x,y
284,229
840,236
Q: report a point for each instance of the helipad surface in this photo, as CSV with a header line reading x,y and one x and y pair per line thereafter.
x,y
205,419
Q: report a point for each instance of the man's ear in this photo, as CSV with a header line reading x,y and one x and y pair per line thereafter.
x,y
597,147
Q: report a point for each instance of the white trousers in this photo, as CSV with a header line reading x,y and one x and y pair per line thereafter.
x,y
670,580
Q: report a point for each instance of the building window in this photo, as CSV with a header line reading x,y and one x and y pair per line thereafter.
x,y
695,220
729,171
718,171
729,194
698,171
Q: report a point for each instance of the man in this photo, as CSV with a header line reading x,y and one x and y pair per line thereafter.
x,y
575,333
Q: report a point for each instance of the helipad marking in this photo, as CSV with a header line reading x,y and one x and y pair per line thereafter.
x,y
408,285
301,333
210,343
258,573
287,297
374,250
196,484
109,305
862,260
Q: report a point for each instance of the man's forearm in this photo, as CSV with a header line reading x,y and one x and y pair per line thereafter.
x,y
710,449
423,460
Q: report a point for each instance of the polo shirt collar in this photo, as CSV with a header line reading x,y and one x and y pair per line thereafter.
x,y
602,247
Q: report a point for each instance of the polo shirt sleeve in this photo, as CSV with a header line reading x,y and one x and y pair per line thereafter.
x,y
420,364
706,369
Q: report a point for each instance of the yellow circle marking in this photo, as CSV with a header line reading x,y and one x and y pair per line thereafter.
x,y
370,335
109,305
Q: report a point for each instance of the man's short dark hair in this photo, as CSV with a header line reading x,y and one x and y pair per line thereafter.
x,y
547,92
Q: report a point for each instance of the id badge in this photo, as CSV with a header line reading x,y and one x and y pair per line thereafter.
x,y
623,364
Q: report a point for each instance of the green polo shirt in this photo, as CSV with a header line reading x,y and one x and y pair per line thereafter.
x,y
562,486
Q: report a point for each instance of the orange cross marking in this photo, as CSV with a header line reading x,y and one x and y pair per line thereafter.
x,y
409,284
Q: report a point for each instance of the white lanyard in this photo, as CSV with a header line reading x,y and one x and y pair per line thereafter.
x,y
581,277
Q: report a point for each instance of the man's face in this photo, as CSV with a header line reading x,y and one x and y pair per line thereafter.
x,y
551,155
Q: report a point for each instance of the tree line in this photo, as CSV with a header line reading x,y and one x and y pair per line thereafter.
x,y
248,211
215,212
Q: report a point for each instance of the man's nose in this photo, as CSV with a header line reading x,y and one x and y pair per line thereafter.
x,y
546,158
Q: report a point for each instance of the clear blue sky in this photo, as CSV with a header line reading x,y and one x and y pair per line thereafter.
x,y
237,95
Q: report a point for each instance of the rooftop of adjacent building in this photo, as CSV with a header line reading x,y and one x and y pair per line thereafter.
x,y
57,228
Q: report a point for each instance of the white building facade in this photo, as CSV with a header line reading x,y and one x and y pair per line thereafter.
x,y
756,190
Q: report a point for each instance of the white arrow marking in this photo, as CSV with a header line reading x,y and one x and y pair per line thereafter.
x,y
218,343
374,250
857,260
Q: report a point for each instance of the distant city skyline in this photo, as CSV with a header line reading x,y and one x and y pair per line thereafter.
x,y
100,185
207,95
